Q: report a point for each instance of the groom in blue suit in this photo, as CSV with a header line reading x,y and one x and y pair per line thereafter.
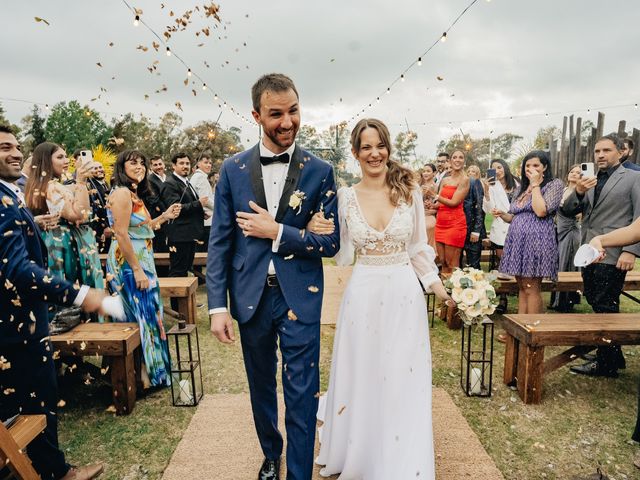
x,y
262,256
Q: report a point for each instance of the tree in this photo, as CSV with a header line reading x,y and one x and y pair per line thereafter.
x,y
405,148
480,151
33,131
541,142
75,127
309,138
5,121
208,137
131,134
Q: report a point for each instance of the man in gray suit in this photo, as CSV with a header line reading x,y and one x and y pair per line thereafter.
x,y
607,202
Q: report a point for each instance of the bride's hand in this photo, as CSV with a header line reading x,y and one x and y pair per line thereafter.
x,y
438,289
320,225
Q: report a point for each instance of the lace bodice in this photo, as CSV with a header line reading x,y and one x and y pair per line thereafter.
x,y
369,241
403,241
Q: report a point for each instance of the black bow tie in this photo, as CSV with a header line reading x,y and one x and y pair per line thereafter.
x,y
283,158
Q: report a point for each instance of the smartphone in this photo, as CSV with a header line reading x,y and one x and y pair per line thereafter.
x,y
491,175
86,156
587,169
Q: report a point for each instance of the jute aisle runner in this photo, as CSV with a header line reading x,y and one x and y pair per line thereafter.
x,y
221,443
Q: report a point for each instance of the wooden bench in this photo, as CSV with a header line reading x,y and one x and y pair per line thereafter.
x,y
161,259
568,282
528,335
184,290
118,341
13,443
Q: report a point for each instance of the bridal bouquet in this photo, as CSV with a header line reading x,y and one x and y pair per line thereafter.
x,y
473,292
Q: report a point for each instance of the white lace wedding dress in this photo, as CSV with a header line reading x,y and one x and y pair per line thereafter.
x,y
377,411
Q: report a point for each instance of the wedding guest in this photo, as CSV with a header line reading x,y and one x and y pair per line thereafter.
x,y
156,206
200,183
29,384
622,237
429,191
24,174
473,171
442,164
98,191
568,230
451,223
498,195
609,201
72,247
474,216
627,155
531,249
187,229
130,264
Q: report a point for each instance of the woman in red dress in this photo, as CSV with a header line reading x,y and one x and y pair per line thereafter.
x,y
451,224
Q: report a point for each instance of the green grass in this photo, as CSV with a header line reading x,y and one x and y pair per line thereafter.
x,y
582,422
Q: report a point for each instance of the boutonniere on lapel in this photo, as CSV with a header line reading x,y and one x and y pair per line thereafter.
x,y
295,200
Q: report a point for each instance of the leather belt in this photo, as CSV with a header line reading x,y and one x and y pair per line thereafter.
x,y
272,281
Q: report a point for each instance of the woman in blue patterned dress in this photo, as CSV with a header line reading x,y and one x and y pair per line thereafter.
x,y
531,248
130,267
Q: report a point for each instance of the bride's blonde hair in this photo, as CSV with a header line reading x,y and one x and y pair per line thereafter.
x,y
400,180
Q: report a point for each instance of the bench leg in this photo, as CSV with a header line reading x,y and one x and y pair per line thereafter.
x,y
187,307
511,360
530,373
123,381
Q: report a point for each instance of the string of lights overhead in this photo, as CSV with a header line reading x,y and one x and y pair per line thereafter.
x,y
418,62
222,103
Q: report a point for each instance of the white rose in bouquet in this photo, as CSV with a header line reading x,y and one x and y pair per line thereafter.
x,y
474,311
469,296
456,294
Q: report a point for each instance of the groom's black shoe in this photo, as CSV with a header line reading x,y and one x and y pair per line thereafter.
x,y
270,470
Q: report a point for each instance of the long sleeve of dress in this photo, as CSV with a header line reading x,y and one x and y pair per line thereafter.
x,y
346,254
553,196
420,252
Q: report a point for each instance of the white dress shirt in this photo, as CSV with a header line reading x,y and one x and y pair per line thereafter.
x,y
273,179
162,178
200,183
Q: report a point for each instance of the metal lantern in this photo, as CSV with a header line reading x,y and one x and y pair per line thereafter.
x,y
476,359
186,371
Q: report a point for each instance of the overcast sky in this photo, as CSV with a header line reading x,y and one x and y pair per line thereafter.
x,y
503,58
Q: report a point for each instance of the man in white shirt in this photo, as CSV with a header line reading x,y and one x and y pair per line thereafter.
x,y
200,183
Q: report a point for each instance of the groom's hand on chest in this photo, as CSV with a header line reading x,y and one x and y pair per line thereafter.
x,y
259,224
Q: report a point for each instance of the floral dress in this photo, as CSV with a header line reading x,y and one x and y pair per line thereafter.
x,y
143,307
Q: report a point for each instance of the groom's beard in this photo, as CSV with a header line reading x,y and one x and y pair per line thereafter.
x,y
274,138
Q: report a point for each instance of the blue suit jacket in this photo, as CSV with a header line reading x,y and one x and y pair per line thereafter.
x,y
239,264
25,284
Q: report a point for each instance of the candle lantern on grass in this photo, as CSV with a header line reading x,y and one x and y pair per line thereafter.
x,y
186,371
476,359
474,296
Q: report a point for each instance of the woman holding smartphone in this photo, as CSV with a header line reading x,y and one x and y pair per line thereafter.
x,y
71,245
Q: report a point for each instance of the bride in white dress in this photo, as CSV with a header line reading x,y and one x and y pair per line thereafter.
x,y
377,411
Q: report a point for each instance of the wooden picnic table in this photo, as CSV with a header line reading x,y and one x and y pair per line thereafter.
x,y
184,290
528,335
568,282
117,341
161,259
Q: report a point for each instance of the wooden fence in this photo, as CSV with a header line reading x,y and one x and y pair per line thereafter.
x,y
573,148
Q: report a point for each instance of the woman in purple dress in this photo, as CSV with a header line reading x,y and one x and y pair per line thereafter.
x,y
531,249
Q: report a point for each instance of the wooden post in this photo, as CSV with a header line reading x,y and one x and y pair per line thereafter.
x,y
564,160
572,142
622,128
600,127
578,145
636,145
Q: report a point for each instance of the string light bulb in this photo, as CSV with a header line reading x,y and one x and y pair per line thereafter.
x,y
402,77
419,61
204,86
168,52
388,90
378,99
188,72
46,106
215,96
443,38
635,106
136,21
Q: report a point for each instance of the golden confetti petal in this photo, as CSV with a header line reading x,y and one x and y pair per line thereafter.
x,y
61,403
38,19
313,289
291,315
